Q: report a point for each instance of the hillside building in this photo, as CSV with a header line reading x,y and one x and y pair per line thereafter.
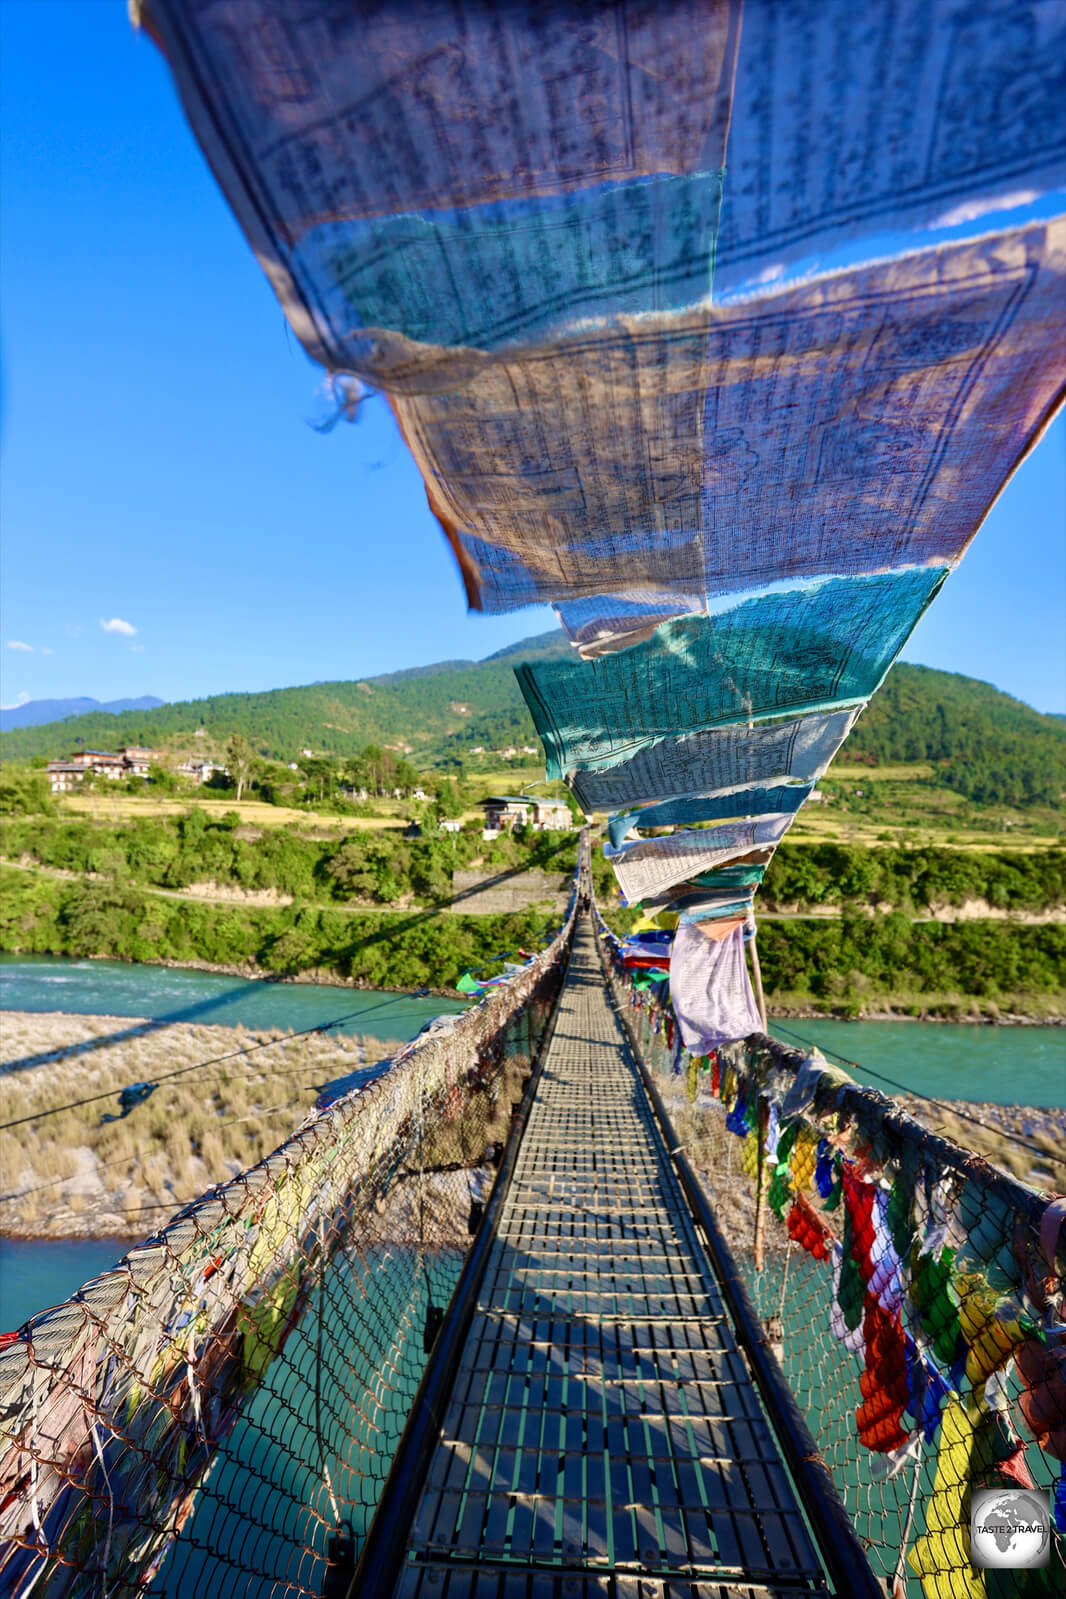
x,y
132,760
105,763
506,811
553,814
199,771
503,811
138,759
65,776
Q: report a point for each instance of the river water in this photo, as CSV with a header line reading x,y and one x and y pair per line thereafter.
x,y
1005,1065
947,1060
177,994
35,1273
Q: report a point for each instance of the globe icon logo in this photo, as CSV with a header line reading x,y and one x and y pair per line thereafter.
x,y
1010,1528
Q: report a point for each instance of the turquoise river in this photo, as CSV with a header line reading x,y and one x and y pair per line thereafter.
x,y
1005,1065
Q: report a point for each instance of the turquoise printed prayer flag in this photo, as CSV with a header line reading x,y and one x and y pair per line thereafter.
x,y
783,798
811,648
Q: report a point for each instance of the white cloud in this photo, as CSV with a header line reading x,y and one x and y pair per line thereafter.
x,y
22,700
137,649
46,651
117,625
17,644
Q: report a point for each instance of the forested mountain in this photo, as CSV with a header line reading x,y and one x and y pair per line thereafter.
x,y
985,744
433,709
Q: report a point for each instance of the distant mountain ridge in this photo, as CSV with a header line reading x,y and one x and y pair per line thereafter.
x,y
983,743
33,713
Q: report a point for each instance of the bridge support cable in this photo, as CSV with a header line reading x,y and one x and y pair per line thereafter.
x,y
603,1430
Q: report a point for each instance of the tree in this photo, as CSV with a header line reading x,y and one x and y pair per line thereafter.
x,y
452,800
240,760
298,946
97,918
25,794
320,772
407,776
161,777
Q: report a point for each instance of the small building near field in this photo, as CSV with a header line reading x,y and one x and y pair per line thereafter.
x,y
506,811
138,759
552,814
65,776
69,773
106,763
200,771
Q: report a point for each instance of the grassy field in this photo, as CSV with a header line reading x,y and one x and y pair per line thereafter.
x,y
868,806
906,804
827,824
919,771
105,807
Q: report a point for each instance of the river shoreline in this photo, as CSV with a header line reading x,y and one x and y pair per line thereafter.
x,y
72,1176
122,1242
319,977
999,1132
323,977
965,1019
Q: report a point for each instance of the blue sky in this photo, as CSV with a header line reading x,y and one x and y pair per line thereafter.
x,y
159,470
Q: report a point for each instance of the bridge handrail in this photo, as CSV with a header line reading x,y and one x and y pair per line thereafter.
x,y
114,1405
776,1065
933,1307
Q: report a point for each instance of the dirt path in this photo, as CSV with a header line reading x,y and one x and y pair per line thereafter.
x,y
224,894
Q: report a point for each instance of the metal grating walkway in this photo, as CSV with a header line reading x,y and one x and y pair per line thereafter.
x,y
603,1436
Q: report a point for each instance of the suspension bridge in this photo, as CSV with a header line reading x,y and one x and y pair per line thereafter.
x,y
602,1417
719,325
553,1307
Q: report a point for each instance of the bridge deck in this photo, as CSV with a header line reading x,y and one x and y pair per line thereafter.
x,y
603,1436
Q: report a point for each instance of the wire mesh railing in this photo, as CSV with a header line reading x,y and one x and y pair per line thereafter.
x,y
914,1295
218,1413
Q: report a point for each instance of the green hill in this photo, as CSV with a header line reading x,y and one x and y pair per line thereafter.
x,y
434,709
984,744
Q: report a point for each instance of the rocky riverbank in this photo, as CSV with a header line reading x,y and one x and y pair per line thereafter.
x,y
316,977
1029,1141
933,1011
226,1096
